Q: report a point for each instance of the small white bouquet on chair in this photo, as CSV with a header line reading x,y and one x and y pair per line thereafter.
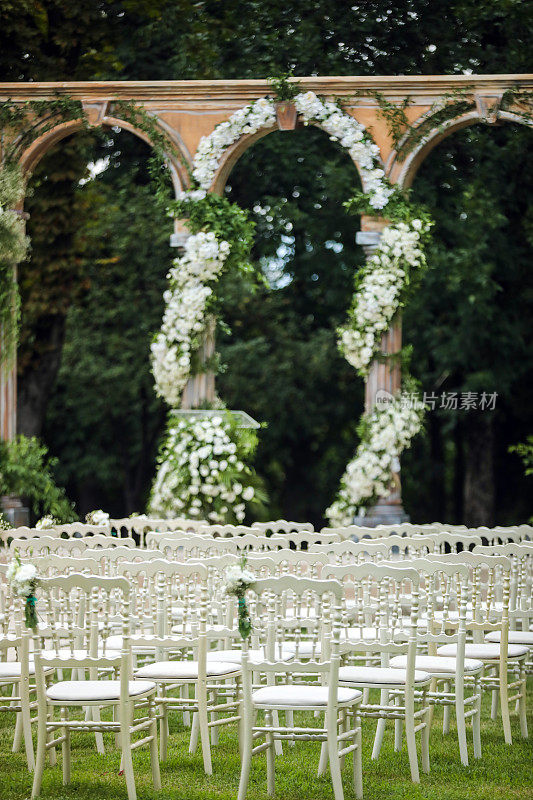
x,y
46,523
238,580
97,517
24,579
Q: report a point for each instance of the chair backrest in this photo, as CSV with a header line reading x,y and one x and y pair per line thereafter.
x,y
226,530
278,594
76,609
287,562
358,532
67,531
282,526
521,587
489,589
446,541
140,525
72,547
181,548
167,594
302,540
376,598
376,550
444,594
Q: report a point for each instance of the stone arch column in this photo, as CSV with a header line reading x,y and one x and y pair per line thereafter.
x,y
384,378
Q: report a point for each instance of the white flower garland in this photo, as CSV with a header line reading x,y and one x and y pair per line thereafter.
x,y
378,296
250,119
184,315
370,473
202,472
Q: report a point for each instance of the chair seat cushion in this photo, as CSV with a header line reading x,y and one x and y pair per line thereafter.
x,y
515,637
12,669
304,696
486,651
186,670
437,665
378,675
83,691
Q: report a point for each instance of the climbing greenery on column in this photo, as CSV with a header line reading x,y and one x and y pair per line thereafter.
x,y
20,125
13,248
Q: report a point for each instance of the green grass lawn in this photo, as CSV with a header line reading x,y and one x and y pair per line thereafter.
x,y
503,772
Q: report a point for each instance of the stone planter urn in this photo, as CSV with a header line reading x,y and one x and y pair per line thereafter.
x,y
13,510
286,115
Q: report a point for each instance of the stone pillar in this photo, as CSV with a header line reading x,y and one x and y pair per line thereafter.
x,y
200,388
384,377
8,402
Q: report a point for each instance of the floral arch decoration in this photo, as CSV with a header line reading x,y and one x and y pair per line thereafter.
x,y
195,474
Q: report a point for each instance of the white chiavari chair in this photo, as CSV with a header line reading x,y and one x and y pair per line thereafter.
x,y
299,686
18,674
444,623
124,695
487,615
378,628
216,683
521,595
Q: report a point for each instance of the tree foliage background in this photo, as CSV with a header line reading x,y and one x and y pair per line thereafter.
x,y
92,289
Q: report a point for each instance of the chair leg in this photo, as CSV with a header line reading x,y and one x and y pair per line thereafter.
x,y
522,701
51,750
163,731
24,723
195,731
270,755
494,704
410,736
476,719
333,753
204,729
184,692
424,739
126,715
504,706
398,729
246,760
323,762
65,747
154,760
380,729
17,738
94,712
446,712
460,719
214,715
357,759
41,755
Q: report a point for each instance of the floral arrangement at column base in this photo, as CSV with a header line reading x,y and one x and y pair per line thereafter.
x,y
202,470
